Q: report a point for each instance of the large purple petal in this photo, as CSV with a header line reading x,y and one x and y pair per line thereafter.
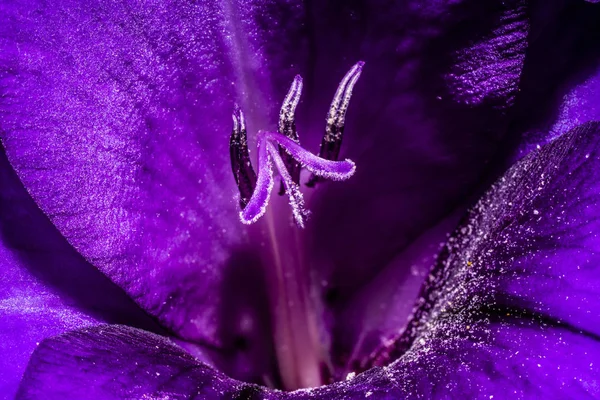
x,y
119,362
511,309
513,303
46,288
116,117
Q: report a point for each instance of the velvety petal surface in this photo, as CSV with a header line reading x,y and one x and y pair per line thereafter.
x,y
509,311
117,117
119,362
511,307
46,287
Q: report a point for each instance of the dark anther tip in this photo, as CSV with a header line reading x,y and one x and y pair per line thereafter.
x,y
243,173
312,181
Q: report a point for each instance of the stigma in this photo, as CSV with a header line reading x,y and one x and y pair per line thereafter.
x,y
282,150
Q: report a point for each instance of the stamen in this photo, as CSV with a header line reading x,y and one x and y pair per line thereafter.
x,y
334,130
287,127
244,174
284,149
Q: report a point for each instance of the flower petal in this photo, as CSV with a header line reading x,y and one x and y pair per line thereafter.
x,y
120,362
513,304
431,105
46,288
557,90
117,118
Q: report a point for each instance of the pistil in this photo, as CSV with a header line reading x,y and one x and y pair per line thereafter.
x,y
301,357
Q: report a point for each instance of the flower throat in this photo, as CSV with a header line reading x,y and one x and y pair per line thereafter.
x,y
301,356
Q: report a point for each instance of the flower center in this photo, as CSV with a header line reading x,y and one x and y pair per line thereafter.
x,y
297,331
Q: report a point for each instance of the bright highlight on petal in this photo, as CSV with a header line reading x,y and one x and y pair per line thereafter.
x,y
283,149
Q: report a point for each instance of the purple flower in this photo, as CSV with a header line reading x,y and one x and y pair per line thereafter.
x,y
135,277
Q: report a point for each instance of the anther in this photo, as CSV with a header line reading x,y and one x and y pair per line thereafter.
x,y
283,150
287,127
244,174
334,129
